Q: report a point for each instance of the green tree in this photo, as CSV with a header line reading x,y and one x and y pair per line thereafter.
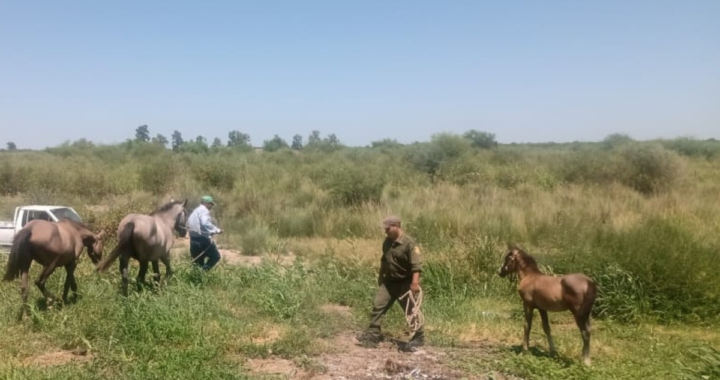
x,y
217,143
11,146
297,143
385,143
274,144
314,138
616,140
442,149
177,140
160,140
142,133
239,139
478,139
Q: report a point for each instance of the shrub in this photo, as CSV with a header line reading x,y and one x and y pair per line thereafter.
x,y
649,169
157,175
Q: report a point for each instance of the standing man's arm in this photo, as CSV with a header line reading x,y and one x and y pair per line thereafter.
x,y
416,268
207,223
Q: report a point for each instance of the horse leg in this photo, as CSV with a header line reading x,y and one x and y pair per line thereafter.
x,y
528,325
24,293
141,275
168,268
40,282
156,272
124,262
546,328
583,322
70,281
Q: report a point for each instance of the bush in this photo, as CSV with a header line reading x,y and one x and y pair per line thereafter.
x,y
214,173
157,175
657,268
708,149
442,149
649,169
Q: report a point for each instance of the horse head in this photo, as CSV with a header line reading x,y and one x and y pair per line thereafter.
x,y
181,219
94,246
510,261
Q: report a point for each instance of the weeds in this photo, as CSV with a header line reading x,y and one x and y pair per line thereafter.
x,y
621,212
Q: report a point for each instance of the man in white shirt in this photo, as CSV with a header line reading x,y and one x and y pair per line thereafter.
x,y
203,250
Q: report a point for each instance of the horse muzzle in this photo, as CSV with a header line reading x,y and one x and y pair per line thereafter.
x,y
502,272
182,232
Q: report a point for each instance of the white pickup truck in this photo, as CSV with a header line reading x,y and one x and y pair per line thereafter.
x,y
25,214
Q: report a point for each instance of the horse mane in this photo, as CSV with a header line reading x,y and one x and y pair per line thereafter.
x,y
525,257
75,223
166,207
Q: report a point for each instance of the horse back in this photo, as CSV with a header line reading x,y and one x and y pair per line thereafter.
x,y
150,237
50,239
543,291
579,290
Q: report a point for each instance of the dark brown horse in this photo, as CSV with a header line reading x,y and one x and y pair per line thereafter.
x,y
147,239
51,244
575,292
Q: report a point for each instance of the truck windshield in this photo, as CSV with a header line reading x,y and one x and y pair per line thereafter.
x,y
66,213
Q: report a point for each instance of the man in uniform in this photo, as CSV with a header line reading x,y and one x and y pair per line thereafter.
x,y
203,250
400,268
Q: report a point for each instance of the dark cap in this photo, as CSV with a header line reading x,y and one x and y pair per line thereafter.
x,y
390,221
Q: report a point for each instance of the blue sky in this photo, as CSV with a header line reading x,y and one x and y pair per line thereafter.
x,y
527,71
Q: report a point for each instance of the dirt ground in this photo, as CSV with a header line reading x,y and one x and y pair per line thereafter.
x,y
58,358
346,359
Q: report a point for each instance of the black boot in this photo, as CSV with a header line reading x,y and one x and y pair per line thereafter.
x,y
370,338
418,339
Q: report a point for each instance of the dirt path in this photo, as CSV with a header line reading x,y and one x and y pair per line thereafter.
x,y
345,359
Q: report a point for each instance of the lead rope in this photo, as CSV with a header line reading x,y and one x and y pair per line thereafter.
x,y
415,318
212,242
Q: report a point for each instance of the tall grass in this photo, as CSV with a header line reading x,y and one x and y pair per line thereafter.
x,y
640,218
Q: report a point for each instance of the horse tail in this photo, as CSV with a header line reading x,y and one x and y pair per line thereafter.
x,y
18,255
124,239
589,299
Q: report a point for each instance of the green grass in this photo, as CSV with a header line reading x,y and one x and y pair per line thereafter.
x,y
627,215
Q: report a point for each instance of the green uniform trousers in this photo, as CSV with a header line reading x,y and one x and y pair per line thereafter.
x,y
386,295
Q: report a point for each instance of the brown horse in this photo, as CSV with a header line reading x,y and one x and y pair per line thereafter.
x,y
51,244
147,238
575,292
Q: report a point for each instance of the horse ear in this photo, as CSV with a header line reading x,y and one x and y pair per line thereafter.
x,y
185,202
100,235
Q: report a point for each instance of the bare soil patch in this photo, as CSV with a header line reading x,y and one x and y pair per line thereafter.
x,y
346,359
235,257
331,308
58,358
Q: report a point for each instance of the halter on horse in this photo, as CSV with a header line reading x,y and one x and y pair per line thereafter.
x,y
148,238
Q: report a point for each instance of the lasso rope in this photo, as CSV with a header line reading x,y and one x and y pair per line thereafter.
x,y
414,317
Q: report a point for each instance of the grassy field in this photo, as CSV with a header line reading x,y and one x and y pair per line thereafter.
x,y
641,218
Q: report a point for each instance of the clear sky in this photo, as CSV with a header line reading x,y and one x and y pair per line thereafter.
x,y
527,71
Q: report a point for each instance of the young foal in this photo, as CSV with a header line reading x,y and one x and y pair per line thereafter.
x,y
575,292
147,238
52,245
